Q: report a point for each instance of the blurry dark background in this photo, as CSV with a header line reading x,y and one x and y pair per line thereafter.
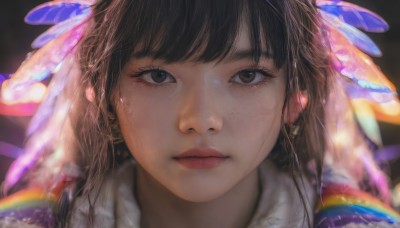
x,y
16,37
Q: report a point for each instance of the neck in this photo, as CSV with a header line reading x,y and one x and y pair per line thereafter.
x,y
161,208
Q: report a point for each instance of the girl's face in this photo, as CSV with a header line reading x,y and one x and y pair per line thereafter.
x,y
233,106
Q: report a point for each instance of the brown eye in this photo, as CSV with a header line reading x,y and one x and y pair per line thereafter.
x,y
251,77
158,76
155,76
247,76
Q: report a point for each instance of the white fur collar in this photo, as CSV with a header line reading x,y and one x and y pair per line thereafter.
x,y
279,206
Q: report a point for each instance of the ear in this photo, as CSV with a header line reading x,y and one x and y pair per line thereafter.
x,y
89,92
297,103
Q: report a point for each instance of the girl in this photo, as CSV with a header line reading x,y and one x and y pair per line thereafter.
x,y
192,114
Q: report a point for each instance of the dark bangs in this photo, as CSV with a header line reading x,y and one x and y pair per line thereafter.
x,y
199,30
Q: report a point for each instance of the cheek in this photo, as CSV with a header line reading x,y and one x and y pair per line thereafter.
x,y
143,122
128,119
257,126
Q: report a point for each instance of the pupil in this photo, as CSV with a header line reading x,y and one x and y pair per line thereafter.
x,y
247,77
158,76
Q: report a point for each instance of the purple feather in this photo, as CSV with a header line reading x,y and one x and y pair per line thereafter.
x,y
4,77
359,88
41,215
354,35
387,153
342,220
54,12
9,150
355,15
59,29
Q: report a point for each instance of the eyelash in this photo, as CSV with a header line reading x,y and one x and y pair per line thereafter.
x,y
266,74
143,71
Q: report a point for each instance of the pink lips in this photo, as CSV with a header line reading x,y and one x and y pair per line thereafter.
x,y
201,158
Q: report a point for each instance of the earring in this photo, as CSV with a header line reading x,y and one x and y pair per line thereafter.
x,y
116,136
118,143
293,130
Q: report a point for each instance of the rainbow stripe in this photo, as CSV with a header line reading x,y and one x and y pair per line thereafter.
x,y
341,205
32,206
27,198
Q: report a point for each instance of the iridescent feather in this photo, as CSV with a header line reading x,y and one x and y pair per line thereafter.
x,y
28,103
388,153
366,84
49,125
354,15
84,2
357,66
42,63
388,112
51,13
356,37
21,110
366,118
47,106
3,77
59,29
344,206
9,150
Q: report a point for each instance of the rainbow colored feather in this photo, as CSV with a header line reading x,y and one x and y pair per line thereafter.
x,y
368,86
55,12
69,17
341,205
354,15
36,205
358,38
58,30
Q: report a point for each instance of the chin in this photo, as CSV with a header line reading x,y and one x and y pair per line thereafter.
x,y
200,194
199,198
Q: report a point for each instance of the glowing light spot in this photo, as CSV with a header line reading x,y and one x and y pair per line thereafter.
x,y
341,138
391,108
6,94
37,92
34,93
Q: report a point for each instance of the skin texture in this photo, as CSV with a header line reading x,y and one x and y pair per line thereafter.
x,y
200,105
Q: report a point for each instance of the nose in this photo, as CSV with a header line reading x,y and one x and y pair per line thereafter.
x,y
199,112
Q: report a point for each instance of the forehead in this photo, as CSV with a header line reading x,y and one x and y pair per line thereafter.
x,y
241,48
242,39
201,30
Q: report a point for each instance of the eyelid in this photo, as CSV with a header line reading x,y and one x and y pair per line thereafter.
x,y
144,70
266,73
141,72
262,70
